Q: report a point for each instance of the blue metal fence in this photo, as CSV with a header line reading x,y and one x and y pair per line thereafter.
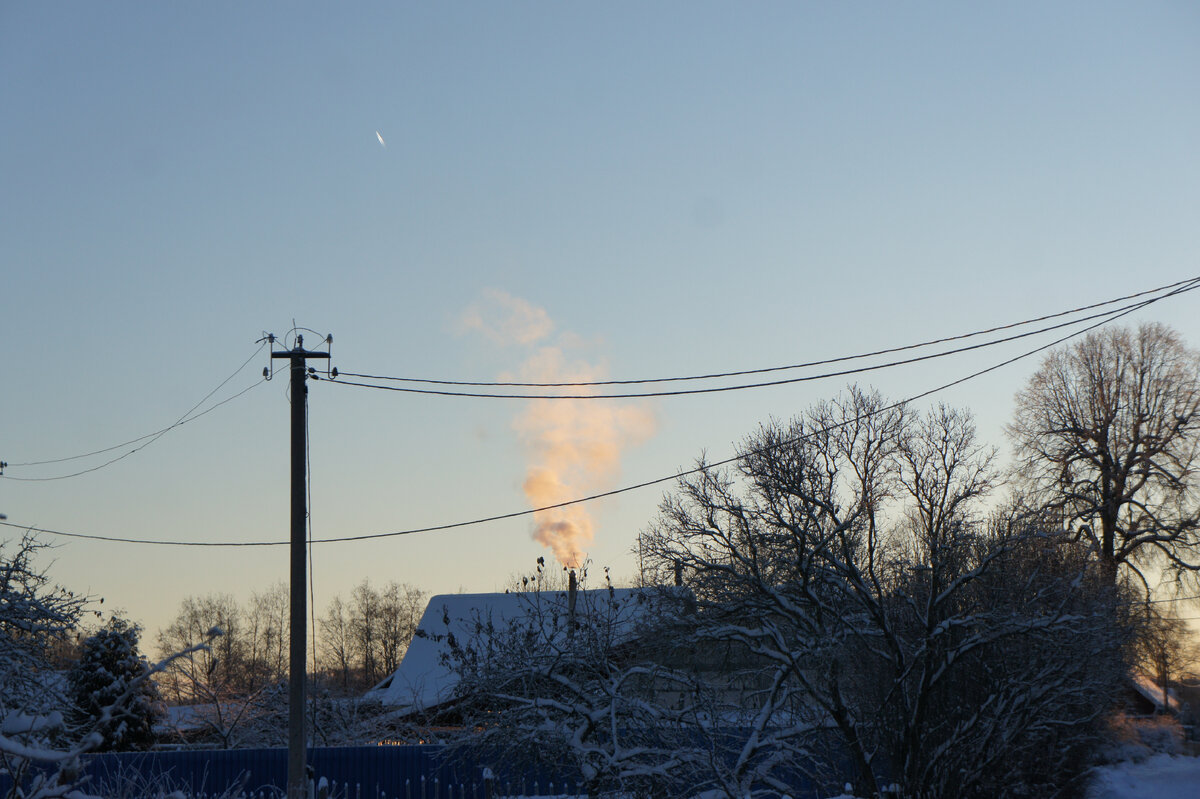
x,y
363,772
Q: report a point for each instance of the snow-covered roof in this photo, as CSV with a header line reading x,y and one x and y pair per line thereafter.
x,y
423,680
193,718
1153,693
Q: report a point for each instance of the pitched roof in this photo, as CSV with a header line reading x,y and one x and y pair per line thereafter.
x,y
423,679
1148,688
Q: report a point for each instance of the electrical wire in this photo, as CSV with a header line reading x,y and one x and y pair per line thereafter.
x,y
743,372
1174,599
602,495
726,461
1105,316
162,542
156,437
157,433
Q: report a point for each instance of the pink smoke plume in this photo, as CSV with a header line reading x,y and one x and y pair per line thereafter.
x,y
574,448
505,319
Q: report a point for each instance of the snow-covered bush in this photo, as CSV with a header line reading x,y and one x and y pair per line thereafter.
x,y
1161,735
1135,738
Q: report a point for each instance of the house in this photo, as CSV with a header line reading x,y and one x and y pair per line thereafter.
x,y
1146,697
425,680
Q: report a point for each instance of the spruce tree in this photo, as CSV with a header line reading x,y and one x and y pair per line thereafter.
x,y
109,665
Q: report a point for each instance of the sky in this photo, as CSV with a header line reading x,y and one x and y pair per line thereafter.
x,y
580,191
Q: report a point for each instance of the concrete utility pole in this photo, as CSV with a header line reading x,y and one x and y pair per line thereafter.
x,y
297,787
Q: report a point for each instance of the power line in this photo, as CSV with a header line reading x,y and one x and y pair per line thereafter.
x,y
187,417
743,372
153,437
726,461
161,542
1174,599
183,420
1104,316
593,497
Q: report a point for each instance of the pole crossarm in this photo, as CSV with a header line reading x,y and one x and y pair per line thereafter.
x,y
298,353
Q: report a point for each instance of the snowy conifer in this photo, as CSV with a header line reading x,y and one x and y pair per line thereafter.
x,y
109,665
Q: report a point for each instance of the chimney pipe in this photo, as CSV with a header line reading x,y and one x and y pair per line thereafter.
x,y
572,589
678,572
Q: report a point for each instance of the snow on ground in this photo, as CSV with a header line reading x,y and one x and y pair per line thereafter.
x,y
1158,777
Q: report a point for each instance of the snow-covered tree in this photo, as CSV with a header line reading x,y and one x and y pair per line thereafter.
x,y
594,691
39,751
876,626
109,665
35,616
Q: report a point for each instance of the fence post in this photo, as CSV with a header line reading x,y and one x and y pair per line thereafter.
x,y
489,784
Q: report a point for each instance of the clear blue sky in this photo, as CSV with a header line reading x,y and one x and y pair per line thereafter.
x,y
680,187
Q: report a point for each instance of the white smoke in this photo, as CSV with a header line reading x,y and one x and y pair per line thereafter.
x,y
574,448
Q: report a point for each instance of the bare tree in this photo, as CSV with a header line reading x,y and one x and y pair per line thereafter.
x,y
1107,433
233,689
218,683
401,609
211,671
365,618
266,632
336,643
1162,649
363,640
869,612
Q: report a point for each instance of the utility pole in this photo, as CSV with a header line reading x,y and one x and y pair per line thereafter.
x,y
297,784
